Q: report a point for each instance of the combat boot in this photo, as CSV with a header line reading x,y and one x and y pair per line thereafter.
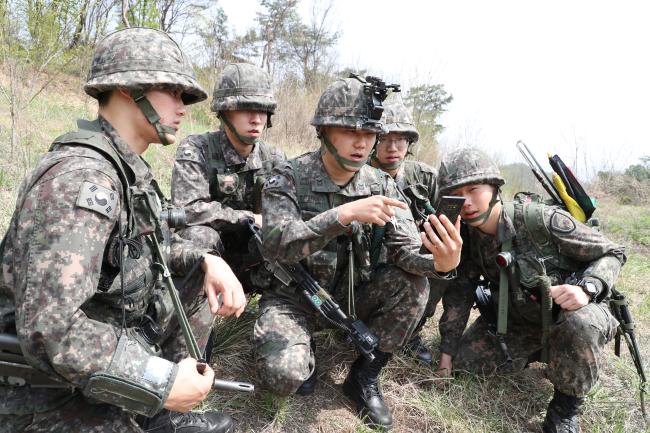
x,y
562,414
309,385
417,348
362,386
191,422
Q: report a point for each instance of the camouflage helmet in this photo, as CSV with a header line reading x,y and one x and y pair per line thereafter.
x,y
138,58
465,167
346,103
397,118
243,87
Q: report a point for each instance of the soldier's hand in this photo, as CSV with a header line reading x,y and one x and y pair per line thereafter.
x,y
377,209
190,387
569,297
220,279
444,243
258,219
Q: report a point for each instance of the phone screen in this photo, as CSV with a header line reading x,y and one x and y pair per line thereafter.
x,y
449,206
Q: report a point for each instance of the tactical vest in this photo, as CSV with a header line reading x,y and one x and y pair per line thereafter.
x,y
356,245
224,181
138,294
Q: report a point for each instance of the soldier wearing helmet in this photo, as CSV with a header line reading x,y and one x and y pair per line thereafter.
x,y
543,281
418,182
320,209
79,289
218,175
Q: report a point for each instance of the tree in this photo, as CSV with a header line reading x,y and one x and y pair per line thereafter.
x,y
310,44
428,102
34,36
273,27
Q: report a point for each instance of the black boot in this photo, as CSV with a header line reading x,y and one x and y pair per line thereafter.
x,y
419,350
308,386
562,414
191,422
362,386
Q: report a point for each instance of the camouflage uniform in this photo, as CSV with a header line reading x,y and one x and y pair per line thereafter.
x,y
300,224
219,188
576,338
61,291
418,182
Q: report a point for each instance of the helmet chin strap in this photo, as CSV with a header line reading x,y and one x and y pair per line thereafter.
x,y
152,116
251,141
344,163
482,218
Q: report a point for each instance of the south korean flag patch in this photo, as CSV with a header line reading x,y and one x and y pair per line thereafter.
x,y
98,199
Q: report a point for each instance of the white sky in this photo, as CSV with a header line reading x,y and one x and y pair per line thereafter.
x,y
552,73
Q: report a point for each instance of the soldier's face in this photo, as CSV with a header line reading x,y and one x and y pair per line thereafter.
x,y
171,109
477,200
351,144
392,148
247,123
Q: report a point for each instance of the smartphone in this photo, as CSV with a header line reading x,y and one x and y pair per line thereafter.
x,y
449,206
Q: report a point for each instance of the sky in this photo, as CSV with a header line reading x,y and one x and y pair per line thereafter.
x,y
568,77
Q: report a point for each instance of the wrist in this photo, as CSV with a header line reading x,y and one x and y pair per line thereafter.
x,y
342,216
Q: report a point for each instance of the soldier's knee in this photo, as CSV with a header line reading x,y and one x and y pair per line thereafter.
x,y
282,377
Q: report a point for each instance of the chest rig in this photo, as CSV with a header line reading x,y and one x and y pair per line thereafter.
x,y
129,280
236,186
348,257
529,264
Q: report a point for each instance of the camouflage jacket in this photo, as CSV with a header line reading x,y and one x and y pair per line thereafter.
x,y
300,223
576,248
60,289
417,181
215,185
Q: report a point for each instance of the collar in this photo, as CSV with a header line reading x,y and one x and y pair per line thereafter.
x,y
135,162
230,155
358,186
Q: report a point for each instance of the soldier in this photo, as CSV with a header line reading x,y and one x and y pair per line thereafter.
x,y
418,183
320,209
555,276
80,286
218,175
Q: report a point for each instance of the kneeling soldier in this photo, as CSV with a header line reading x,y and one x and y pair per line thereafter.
x,y
548,277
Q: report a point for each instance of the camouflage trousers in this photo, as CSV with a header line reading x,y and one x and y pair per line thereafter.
x,y
76,414
391,304
575,346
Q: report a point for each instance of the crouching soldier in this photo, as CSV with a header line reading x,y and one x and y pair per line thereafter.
x,y
418,182
218,176
81,291
543,279
320,209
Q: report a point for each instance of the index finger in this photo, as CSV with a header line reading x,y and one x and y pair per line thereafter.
x,y
394,202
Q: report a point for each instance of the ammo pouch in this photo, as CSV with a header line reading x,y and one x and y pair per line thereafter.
x,y
136,380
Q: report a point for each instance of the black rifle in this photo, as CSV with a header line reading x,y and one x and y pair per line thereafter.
x,y
356,331
482,298
618,305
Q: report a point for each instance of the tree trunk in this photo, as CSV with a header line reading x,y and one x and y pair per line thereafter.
x,y
76,37
125,12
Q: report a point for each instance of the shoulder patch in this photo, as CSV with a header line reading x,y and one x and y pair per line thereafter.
x,y
188,153
98,199
562,223
275,181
